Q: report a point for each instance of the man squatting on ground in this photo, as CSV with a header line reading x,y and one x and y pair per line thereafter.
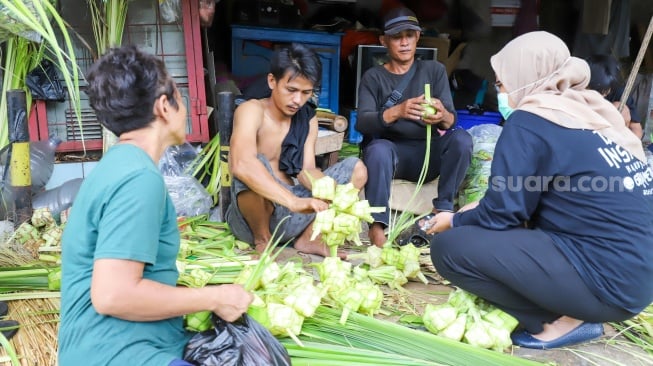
x,y
272,157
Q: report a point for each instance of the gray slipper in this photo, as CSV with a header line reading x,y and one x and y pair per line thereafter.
x,y
8,328
4,309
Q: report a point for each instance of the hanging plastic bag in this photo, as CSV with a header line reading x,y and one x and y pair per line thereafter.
x,y
243,342
44,84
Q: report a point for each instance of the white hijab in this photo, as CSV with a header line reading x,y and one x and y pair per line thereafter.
x,y
550,83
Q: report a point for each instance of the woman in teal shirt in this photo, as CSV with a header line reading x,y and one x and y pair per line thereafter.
x,y
119,301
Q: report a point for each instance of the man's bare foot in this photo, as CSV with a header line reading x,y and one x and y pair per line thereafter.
x,y
377,235
317,247
260,247
557,328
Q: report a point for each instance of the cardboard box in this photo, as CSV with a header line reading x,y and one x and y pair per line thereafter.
x,y
442,44
450,61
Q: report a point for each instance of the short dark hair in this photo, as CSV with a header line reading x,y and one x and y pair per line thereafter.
x,y
123,85
605,73
300,61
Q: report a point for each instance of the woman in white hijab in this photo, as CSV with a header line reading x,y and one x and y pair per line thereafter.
x,y
567,166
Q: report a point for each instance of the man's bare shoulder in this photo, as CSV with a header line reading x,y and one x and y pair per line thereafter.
x,y
249,113
251,106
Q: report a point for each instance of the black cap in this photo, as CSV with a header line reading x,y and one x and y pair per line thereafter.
x,y
400,19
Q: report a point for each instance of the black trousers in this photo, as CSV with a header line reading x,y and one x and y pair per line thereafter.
x,y
522,272
386,160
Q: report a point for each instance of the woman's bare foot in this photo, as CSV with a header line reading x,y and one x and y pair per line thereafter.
x,y
557,328
377,235
316,247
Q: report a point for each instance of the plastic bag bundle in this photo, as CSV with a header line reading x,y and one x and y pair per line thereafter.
x,y
188,195
44,84
178,160
243,342
484,137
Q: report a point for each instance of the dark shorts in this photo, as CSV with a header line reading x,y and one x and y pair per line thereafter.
x,y
296,222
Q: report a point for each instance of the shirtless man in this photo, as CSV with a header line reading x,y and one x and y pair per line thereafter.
x,y
272,158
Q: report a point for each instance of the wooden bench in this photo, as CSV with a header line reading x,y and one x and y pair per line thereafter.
x,y
329,144
402,191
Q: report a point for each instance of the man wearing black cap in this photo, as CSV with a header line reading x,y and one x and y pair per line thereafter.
x,y
393,122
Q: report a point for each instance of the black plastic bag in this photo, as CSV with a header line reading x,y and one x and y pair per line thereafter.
x,y
243,342
44,83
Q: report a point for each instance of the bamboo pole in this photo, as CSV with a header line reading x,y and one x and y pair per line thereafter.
x,y
636,65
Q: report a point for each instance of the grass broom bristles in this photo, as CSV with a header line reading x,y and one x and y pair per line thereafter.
x,y
35,343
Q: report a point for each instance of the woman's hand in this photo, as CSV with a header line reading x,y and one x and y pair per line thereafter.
x,y
230,301
468,206
440,223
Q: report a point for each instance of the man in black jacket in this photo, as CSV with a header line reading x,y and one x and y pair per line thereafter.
x,y
394,143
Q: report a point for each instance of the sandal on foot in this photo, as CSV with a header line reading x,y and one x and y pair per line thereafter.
x,y
582,333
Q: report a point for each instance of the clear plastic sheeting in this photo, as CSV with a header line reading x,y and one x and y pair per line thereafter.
x,y
41,162
6,230
11,26
7,202
649,155
170,10
188,195
485,137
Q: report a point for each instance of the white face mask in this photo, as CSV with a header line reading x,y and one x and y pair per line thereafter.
x,y
504,106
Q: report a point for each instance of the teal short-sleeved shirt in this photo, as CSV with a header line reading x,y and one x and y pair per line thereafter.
x,y
122,211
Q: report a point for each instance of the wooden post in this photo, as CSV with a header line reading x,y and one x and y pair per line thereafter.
x,y
19,166
225,125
